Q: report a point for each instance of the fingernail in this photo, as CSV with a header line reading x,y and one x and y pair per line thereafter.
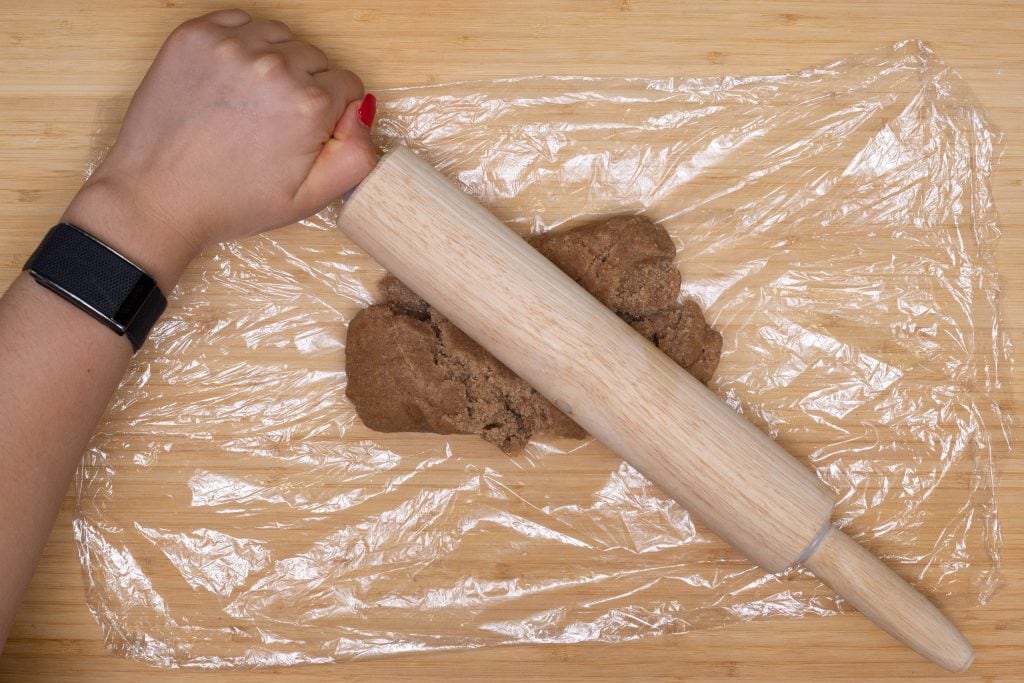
x,y
368,110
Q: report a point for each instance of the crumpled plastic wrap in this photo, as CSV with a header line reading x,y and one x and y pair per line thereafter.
x,y
837,226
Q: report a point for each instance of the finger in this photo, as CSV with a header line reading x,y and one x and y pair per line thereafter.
x,y
266,30
343,87
302,56
228,18
343,162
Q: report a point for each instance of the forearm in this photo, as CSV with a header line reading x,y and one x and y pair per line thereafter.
x,y
237,128
58,368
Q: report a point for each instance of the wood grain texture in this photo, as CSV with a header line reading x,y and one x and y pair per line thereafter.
x,y
586,360
619,387
67,66
884,597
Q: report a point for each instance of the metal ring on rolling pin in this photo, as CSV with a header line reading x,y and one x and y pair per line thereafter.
x,y
816,542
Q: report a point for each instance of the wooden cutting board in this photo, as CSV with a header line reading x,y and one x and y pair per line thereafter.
x,y
60,61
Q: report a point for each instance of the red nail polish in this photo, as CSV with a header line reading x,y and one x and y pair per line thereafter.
x,y
368,110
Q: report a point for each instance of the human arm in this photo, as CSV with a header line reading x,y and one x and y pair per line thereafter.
x,y
237,128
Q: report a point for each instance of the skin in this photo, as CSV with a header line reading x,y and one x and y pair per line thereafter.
x,y
237,128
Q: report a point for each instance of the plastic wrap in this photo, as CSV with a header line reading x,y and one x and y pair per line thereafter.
x,y
836,224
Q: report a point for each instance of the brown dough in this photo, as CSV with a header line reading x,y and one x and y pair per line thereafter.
x,y
410,370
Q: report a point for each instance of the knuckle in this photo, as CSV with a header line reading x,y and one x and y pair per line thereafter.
x,y
230,47
270,64
193,30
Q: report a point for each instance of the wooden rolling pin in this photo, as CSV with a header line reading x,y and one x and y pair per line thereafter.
x,y
625,392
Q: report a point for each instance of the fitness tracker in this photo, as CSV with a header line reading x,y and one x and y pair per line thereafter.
x,y
98,280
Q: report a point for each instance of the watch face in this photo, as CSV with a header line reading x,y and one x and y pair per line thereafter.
x,y
98,280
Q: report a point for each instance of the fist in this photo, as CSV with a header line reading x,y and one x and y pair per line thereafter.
x,y
236,128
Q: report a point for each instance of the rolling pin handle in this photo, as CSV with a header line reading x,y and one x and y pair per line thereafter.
x,y
885,598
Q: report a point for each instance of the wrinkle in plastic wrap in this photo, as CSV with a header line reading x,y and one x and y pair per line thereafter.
x,y
835,223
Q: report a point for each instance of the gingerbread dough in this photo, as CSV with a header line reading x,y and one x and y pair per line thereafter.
x,y
410,370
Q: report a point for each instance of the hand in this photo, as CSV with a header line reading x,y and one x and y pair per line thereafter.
x,y
236,129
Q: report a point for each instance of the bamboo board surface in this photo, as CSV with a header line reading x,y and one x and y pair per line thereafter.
x,y
60,61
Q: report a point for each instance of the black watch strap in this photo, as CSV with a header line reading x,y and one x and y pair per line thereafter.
x,y
97,279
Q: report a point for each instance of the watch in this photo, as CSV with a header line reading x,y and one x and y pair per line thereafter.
x,y
95,278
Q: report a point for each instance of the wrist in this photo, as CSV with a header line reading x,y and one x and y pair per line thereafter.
x,y
114,217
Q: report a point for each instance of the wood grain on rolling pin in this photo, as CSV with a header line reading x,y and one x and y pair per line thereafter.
x,y
588,362
624,391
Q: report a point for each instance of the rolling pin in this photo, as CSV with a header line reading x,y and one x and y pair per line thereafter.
x,y
625,392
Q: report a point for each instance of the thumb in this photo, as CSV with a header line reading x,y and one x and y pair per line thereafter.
x,y
346,159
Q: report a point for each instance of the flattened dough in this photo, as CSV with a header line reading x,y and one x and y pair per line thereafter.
x,y
410,370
